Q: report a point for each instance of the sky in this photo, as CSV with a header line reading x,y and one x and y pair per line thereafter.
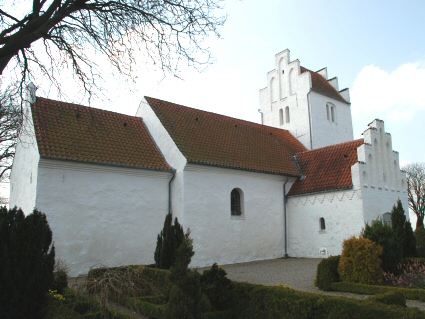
x,y
375,48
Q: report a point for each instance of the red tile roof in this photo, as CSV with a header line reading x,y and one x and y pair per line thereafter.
x,y
217,140
80,133
322,86
326,168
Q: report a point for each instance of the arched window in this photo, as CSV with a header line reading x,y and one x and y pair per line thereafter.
x,y
236,202
287,114
281,117
331,112
387,218
322,223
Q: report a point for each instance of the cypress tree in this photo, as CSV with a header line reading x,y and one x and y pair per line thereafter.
x,y
26,263
403,230
168,241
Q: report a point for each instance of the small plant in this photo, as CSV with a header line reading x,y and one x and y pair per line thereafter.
x,y
60,276
413,275
327,272
360,262
55,294
217,287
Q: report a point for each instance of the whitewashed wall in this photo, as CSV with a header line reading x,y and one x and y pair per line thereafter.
x,y
343,214
102,214
222,238
23,178
325,132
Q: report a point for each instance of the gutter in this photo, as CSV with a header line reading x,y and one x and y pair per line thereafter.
x,y
169,192
284,219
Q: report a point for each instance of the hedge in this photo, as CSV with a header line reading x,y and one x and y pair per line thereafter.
x,y
409,293
255,302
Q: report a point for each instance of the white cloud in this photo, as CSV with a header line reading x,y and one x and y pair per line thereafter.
x,y
381,94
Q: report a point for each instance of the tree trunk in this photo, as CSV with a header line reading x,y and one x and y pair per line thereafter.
x,y
420,221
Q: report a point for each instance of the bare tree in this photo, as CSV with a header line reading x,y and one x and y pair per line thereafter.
x,y
167,31
10,125
416,190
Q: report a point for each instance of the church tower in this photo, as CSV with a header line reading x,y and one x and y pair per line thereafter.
x,y
306,103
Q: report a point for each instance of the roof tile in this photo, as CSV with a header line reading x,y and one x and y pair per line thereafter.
x,y
326,168
217,140
80,133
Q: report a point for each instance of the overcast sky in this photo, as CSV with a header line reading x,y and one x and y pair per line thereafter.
x,y
375,48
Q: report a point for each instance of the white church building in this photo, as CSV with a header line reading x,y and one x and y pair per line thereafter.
x,y
296,185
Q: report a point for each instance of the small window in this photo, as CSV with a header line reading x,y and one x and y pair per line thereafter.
x,y
236,198
287,114
322,223
387,218
331,112
281,117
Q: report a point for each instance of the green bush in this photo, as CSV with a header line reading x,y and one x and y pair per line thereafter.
x,y
254,302
147,308
403,230
420,241
409,293
360,261
168,241
27,256
383,235
217,287
327,272
60,276
395,298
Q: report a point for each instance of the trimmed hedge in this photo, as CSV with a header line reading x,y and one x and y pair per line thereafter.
x,y
395,298
409,293
255,302
327,272
152,310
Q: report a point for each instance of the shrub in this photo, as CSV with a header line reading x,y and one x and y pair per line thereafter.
x,y
217,287
390,298
413,275
60,276
403,230
168,241
327,272
186,298
26,263
383,235
420,241
360,261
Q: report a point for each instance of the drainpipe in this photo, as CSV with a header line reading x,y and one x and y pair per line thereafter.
x,y
284,219
309,120
259,111
169,191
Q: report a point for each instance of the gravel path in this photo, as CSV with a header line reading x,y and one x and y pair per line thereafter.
x,y
297,273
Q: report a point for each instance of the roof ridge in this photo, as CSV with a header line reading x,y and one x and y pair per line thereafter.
x,y
85,106
333,146
263,126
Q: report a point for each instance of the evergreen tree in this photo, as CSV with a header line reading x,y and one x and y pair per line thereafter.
x,y
186,298
168,241
403,230
383,235
26,263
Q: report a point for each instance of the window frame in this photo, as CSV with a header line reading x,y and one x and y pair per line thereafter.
x,y
236,203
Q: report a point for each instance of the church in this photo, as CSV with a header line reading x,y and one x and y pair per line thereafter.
x,y
296,185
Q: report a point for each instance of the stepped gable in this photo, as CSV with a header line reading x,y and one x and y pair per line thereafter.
x,y
78,133
322,86
327,168
217,140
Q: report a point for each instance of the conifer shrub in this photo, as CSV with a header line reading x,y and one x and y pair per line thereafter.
x,y
420,241
27,257
403,230
360,261
168,241
383,235
395,298
186,298
217,287
327,272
